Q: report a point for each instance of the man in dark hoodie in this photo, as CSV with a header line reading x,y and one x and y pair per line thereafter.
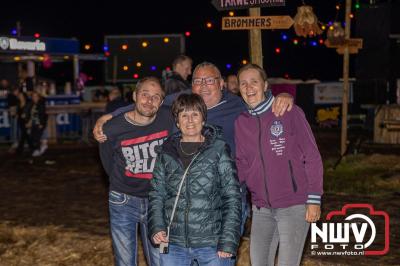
x,y
177,82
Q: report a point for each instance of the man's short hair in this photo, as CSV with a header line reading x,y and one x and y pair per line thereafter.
x,y
179,59
260,70
189,102
116,92
207,64
153,79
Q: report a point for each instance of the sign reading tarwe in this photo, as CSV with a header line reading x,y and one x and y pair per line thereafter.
x,y
221,5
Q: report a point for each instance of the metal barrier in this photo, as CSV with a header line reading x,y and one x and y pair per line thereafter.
x,y
73,122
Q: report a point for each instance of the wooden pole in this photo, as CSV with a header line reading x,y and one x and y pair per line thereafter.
x,y
346,62
256,56
75,66
19,65
115,69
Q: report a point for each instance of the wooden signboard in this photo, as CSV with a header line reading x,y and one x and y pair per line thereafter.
x,y
222,5
259,22
254,23
353,44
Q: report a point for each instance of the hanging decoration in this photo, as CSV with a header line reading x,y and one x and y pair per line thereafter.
x,y
306,22
47,62
335,34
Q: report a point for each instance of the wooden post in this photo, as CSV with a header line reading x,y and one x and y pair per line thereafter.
x,y
256,56
115,69
76,70
19,65
346,61
52,128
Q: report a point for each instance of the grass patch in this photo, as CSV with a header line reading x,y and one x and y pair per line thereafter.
x,y
367,175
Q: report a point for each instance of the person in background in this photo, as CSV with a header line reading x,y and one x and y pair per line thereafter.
x,y
24,122
128,157
4,87
12,103
178,81
202,217
26,83
232,84
101,95
38,122
279,161
115,101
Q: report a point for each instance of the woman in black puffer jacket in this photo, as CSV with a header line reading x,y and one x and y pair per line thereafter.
x,y
206,222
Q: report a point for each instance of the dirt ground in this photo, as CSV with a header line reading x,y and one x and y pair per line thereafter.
x,y
53,210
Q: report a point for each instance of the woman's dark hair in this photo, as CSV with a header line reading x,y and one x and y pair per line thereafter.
x,y
189,102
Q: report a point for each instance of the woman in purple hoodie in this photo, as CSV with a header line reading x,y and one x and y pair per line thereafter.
x,y
279,161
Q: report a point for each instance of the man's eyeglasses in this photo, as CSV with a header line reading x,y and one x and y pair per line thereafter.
x,y
208,81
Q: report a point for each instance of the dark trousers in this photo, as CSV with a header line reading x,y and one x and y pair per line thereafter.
x,y
24,136
36,136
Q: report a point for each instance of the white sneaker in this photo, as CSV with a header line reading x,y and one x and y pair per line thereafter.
x,y
43,148
14,145
36,153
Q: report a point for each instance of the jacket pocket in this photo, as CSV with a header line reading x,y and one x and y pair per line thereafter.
x,y
294,185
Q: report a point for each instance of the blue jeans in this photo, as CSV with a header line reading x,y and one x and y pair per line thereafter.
x,y
180,256
126,214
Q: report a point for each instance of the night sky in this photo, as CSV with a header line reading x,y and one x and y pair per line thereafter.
x,y
89,21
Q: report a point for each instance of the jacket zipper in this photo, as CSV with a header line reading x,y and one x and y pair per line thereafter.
x,y
187,216
262,160
188,204
292,176
187,195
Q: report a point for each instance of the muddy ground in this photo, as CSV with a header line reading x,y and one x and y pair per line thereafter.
x,y
53,210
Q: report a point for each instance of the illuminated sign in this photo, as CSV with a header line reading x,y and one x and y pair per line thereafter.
x,y
14,44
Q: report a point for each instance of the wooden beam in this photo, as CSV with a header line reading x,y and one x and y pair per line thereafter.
x,y
346,62
256,56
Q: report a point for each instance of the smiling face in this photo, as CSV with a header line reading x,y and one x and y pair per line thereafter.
x,y
207,83
190,122
148,98
252,87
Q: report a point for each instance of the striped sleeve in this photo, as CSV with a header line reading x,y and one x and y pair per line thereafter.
x,y
314,199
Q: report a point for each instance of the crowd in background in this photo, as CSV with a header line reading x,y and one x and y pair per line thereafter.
x,y
27,117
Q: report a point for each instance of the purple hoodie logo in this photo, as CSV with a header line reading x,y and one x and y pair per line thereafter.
x,y
277,128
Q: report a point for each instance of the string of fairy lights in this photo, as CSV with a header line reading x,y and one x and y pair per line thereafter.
x,y
286,39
